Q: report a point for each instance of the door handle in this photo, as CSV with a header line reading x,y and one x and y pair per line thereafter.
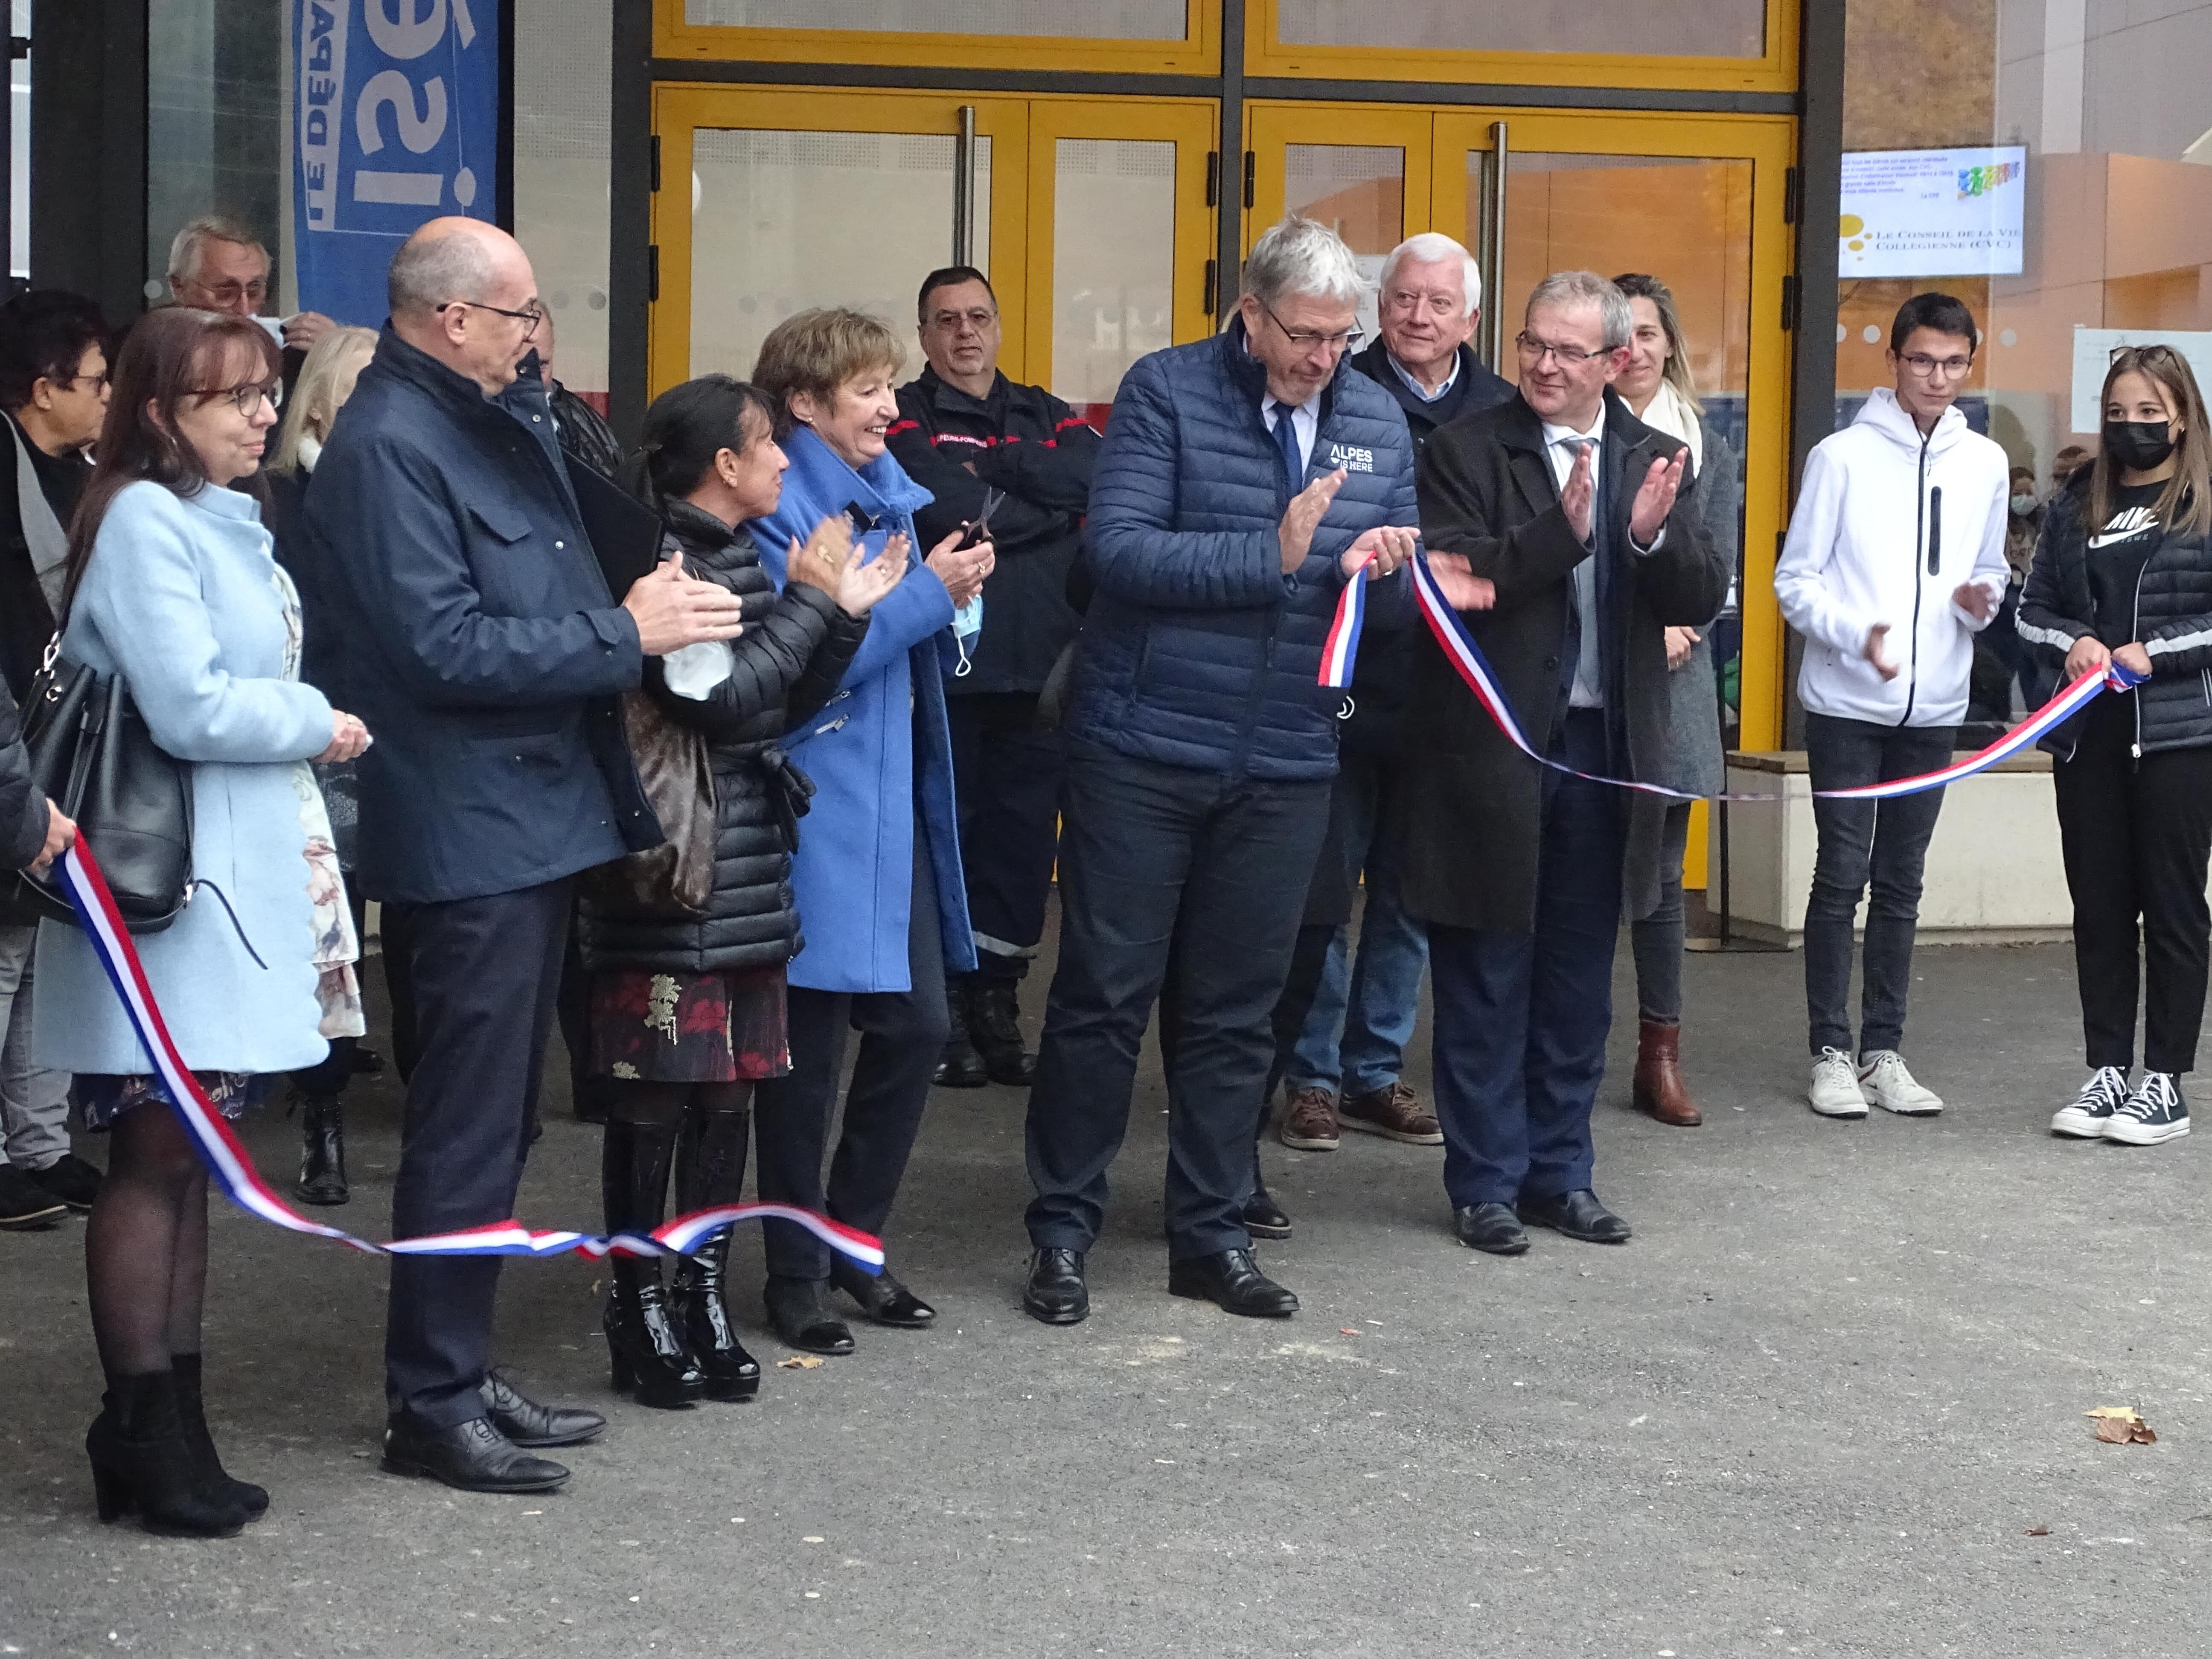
x,y
963,188
1492,242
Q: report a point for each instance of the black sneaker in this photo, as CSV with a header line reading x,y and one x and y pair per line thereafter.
x,y
2153,1111
71,1180
2092,1108
25,1205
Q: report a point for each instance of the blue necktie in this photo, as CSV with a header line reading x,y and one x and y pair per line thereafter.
x,y
1286,439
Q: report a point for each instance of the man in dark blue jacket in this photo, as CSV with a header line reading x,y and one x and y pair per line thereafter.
x,y
486,658
1200,750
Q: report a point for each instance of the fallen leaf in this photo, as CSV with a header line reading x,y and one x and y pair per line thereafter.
x,y
2038,1532
2121,1426
1345,1330
799,1362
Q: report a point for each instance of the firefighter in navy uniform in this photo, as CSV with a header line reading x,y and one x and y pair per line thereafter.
x,y
976,440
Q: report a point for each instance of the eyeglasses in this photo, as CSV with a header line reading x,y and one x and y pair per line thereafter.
x,y
979,320
1928,367
226,294
1305,339
1534,351
530,316
246,399
98,382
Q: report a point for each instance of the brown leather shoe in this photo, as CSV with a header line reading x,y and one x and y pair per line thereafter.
x,y
1393,1111
1658,1088
1309,1122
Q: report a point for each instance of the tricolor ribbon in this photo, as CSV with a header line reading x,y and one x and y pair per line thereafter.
x,y
1474,668
231,1167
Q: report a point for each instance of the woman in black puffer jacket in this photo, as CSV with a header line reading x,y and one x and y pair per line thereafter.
x,y
686,1015
2123,573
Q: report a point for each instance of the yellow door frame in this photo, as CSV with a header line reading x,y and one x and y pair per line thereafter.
x,y
1193,127
1436,199
1022,130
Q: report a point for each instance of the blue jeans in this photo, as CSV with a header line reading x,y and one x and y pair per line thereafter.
x,y
1371,996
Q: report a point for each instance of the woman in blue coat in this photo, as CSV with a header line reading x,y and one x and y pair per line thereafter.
x,y
172,586
877,874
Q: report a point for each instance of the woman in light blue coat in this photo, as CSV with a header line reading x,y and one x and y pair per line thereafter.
x,y
172,586
877,875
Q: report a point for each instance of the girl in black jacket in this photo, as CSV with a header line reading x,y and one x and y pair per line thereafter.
x,y
2123,573
685,1015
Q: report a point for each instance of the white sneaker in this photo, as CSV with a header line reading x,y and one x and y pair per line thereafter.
x,y
2092,1108
1890,1086
1835,1091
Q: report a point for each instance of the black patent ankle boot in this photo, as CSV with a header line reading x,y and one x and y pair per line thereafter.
x,y
646,1352
703,1315
140,1461
322,1158
191,1416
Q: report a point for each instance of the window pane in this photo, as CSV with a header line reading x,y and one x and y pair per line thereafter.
x,y
215,122
1712,29
781,222
1079,20
1685,221
563,51
1113,261
1359,191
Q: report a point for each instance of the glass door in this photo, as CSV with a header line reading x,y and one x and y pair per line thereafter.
x,y
1089,217
1363,172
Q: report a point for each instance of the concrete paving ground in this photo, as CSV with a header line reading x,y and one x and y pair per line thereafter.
x,y
1829,1401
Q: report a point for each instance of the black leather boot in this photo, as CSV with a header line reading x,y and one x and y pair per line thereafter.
x,y
192,1413
995,1030
646,1352
798,1309
140,1461
962,1067
322,1160
710,1169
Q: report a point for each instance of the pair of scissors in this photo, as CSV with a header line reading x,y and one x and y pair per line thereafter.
x,y
979,527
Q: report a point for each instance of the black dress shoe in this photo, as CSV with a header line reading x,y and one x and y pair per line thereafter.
x,y
367,1062
796,1308
1264,1217
1233,1280
1055,1292
882,1297
1579,1215
472,1456
961,1066
1491,1227
526,1423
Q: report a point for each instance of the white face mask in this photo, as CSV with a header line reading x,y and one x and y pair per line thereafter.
x,y
2023,505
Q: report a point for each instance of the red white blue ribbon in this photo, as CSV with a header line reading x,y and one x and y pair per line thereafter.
x,y
1473,667
231,1167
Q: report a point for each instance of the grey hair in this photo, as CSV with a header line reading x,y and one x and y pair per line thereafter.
x,y
429,270
1301,256
185,250
1587,287
1433,247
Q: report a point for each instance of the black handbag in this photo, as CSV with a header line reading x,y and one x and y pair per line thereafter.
x,y
93,756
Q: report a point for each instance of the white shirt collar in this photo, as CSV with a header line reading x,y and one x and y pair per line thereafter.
x,y
1414,383
1562,434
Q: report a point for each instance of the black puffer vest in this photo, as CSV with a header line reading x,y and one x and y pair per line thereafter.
x,y
794,651
2173,620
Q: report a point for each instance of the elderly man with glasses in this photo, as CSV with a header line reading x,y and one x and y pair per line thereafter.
x,y
1243,480
1585,520
217,263
486,653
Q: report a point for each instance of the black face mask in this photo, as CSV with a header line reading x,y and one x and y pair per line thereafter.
x,y
2138,446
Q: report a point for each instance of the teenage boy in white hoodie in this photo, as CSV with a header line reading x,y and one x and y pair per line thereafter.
x,y
1895,562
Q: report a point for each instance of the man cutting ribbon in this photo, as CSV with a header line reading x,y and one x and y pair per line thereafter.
x,y
1585,521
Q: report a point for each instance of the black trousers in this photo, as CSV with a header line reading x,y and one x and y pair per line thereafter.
x,y
1007,772
1153,856
901,1038
485,971
1520,1019
2137,835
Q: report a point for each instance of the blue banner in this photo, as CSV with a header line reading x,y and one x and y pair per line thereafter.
x,y
398,109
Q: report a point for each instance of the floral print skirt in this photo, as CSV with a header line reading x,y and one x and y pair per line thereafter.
x,y
103,1097
689,1028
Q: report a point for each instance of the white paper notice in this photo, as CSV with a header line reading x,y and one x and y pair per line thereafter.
x,y
2093,355
1933,213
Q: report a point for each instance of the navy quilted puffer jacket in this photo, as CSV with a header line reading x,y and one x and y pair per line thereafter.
x,y
1197,651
